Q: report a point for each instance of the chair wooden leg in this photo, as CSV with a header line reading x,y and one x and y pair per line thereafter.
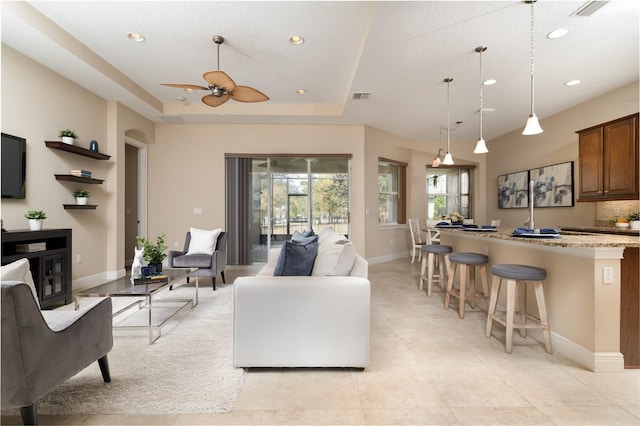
x,y
522,304
463,289
423,270
223,279
493,301
452,274
472,286
213,283
103,363
511,301
447,266
431,262
542,309
29,414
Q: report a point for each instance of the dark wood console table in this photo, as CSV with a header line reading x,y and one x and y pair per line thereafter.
x,y
51,267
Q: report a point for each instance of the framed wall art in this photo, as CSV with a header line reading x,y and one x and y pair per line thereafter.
x,y
513,190
553,185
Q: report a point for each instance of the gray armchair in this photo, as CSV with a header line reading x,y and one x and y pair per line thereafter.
x,y
208,265
42,349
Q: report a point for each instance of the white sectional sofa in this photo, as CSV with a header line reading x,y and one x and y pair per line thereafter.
x,y
302,321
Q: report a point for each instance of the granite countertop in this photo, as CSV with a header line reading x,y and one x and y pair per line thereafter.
x,y
565,240
603,230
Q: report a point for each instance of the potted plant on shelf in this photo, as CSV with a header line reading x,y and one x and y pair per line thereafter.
x,y
154,253
634,220
82,196
35,219
68,136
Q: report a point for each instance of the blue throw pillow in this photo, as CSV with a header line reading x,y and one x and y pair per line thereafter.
x,y
296,259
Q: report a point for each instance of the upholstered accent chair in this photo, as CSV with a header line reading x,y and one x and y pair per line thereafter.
x,y
209,265
42,349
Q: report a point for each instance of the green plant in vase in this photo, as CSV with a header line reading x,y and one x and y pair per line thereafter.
x,y
35,219
82,196
154,253
67,136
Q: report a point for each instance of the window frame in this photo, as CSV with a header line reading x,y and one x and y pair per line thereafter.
x,y
469,168
401,200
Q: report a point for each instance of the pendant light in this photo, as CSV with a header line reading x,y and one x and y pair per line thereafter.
x,y
448,160
481,146
532,127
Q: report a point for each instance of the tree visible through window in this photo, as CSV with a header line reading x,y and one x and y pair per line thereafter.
x,y
391,192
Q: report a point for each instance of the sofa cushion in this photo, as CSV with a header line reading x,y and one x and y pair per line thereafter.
x,y
336,255
203,241
19,271
296,258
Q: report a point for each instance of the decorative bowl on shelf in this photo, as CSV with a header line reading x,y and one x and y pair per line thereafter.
x,y
622,224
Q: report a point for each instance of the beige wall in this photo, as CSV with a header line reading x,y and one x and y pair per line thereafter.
x,y
36,104
559,143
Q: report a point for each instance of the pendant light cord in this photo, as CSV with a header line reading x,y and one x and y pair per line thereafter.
x,y
448,116
481,50
532,56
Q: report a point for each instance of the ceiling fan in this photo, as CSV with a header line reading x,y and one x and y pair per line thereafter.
x,y
222,86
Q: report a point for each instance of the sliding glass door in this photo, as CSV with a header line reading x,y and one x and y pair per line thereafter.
x,y
287,194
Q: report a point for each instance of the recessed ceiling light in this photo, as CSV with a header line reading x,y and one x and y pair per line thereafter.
x,y
181,98
489,82
301,92
572,83
296,40
560,32
135,37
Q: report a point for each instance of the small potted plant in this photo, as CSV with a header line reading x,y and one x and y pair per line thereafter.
x,y
68,136
154,253
82,196
634,220
35,219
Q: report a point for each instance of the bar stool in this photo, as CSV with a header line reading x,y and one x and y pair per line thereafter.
x,y
429,254
466,260
516,275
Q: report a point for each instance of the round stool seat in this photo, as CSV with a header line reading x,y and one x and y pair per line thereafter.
x,y
519,272
469,258
437,249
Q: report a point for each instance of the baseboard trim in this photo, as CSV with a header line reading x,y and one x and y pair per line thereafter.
x,y
598,362
86,283
388,258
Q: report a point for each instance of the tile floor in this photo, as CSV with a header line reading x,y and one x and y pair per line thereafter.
x,y
427,367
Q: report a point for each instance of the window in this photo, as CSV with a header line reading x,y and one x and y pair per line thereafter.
x,y
448,190
391,192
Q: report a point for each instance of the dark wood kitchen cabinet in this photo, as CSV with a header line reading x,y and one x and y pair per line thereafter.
x,y
608,160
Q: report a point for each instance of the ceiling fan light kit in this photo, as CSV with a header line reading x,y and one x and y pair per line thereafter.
x,y
532,127
222,86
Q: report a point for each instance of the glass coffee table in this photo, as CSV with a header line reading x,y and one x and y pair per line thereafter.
x,y
144,297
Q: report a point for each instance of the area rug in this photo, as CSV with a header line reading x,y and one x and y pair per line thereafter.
x,y
187,370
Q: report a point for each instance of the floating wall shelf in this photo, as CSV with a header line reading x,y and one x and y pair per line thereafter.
x,y
76,150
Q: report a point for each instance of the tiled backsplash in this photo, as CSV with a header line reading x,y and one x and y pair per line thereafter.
x,y
605,210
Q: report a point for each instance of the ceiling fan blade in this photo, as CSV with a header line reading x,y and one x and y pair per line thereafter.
x,y
214,101
248,94
220,79
185,86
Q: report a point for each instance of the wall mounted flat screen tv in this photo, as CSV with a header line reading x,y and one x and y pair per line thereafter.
x,y
14,166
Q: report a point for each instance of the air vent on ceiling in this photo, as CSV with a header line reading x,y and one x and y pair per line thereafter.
x,y
361,96
589,8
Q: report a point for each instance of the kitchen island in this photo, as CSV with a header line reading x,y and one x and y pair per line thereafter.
x,y
584,311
